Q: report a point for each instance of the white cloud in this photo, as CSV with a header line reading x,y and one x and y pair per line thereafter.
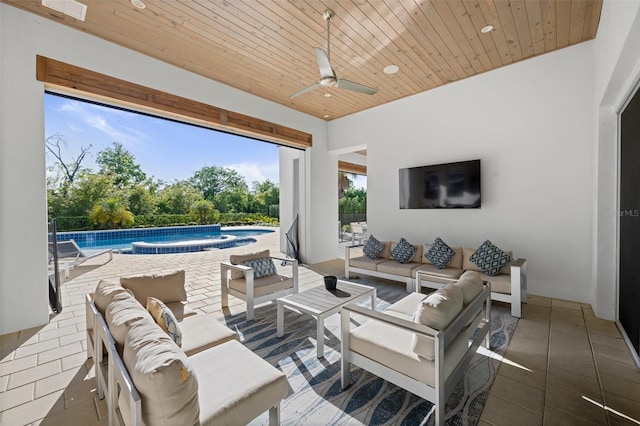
x,y
93,117
257,172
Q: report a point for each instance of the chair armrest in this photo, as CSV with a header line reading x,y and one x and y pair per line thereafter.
x,y
241,268
284,259
519,262
395,321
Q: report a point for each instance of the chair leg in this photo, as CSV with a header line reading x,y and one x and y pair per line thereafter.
x,y
274,415
249,310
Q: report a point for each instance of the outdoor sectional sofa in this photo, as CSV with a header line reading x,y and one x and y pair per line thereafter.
x,y
152,372
422,343
509,286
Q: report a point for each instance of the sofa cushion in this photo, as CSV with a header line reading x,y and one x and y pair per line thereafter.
x,y
163,376
124,310
471,284
168,287
392,347
165,319
180,310
263,286
235,385
489,258
440,254
407,305
239,259
364,262
500,283
373,248
437,311
262,267
403,251
105,291
200,332
386,253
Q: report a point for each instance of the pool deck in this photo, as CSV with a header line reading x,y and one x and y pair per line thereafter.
x,y
46,379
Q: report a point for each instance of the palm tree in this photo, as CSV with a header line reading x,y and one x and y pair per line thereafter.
x,y
344,182
111,212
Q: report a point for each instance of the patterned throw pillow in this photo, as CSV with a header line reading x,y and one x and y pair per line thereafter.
x,y
440,254
373,248
165,319
403,251
490,258
261,267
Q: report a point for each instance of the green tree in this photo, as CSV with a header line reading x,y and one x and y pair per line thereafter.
x,y
87,190
204,211
266,195
111,212
344,183
119,163
214,180
178,198
142,199
235,201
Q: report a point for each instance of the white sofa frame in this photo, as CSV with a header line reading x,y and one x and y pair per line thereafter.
x,y
249,298
440,392
115,379
424,279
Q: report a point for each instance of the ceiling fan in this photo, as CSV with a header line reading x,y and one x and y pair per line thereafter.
x,y
327,75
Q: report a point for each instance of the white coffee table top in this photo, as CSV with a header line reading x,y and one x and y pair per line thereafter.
x,y
322,303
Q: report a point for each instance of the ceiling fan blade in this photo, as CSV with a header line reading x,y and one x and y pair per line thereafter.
x,y
323,64
350,85
305,90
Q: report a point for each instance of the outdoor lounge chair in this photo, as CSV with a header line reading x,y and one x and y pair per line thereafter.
x,y
245,277
71,255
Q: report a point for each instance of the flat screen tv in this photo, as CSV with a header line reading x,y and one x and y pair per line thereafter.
x,y
441,186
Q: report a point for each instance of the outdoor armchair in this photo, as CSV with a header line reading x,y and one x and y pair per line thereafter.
x,y
254,278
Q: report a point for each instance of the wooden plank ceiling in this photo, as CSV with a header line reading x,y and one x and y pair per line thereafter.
x,y
265,47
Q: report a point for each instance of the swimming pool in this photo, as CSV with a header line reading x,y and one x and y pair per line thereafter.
x,y
172,239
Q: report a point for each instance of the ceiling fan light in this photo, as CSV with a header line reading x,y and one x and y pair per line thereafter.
x,y
391,69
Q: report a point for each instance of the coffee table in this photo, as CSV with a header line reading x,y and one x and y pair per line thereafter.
x,y
322,303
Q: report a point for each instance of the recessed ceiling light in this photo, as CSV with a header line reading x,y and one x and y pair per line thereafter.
x,y
326,116
138,3
327,95
487,29
391,69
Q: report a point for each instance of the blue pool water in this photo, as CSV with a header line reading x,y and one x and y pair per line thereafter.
x,y
168,239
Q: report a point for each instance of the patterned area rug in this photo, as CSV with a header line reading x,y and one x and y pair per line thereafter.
x,y
315,395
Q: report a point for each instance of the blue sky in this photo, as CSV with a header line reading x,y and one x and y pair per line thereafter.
x,y
164,149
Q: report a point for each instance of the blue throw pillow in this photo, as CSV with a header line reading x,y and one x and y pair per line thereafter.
x,y
403,251
490,258
261,267
440,254
373,248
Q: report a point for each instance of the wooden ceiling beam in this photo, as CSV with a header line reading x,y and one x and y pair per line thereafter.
x,y
346,167
59,74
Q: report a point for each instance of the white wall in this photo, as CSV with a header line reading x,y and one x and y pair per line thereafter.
x,y
617,71
531,124
23,196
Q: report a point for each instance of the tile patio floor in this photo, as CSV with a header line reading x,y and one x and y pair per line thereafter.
x,y
563,365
